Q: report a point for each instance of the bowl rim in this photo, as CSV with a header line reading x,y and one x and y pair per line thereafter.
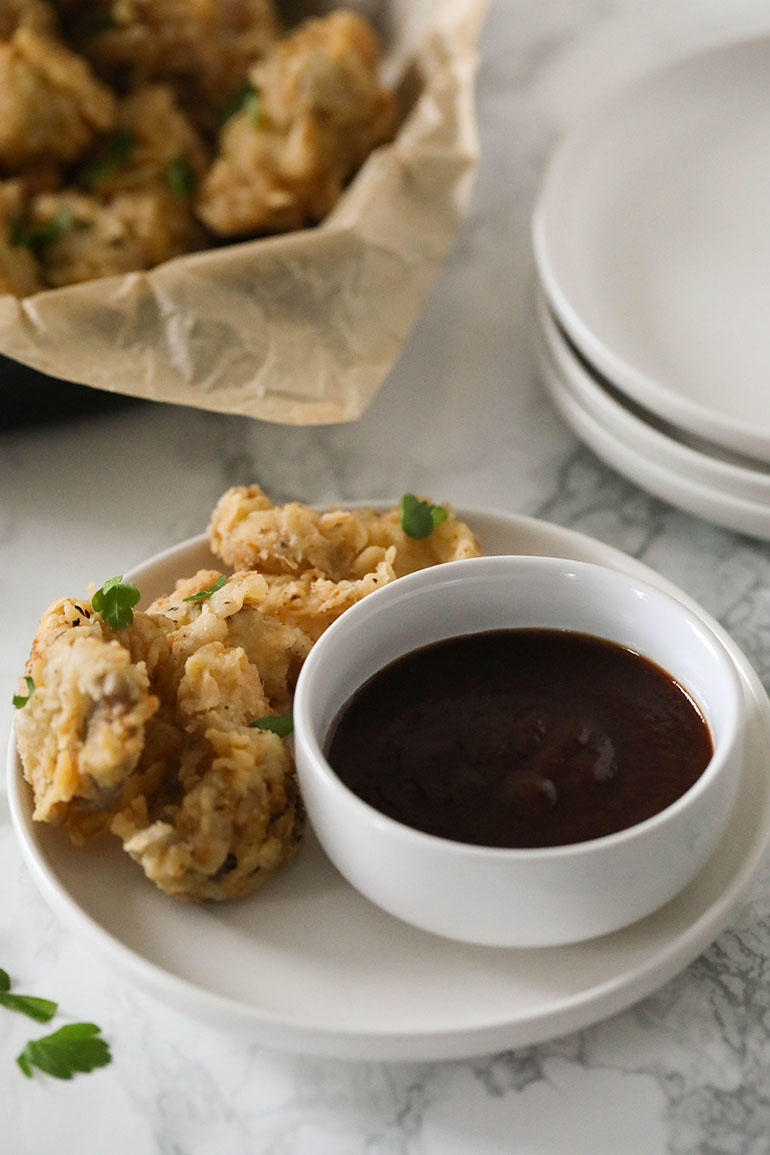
x,y
304,734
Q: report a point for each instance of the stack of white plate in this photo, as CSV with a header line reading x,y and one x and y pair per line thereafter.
x,y
652,253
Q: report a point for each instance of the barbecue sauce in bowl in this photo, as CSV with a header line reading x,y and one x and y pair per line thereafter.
x,y
520,738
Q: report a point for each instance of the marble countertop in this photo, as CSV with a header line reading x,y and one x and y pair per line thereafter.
x,y
464,418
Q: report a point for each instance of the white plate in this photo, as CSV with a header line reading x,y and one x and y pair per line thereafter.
x,y
309,965
643,465
633,426
651,241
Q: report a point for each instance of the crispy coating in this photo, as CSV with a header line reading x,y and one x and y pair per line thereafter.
x,y
237,818
312,601
204,46
237,616
146,731
19,272
157,132
284,161
81,733
131,231
247,531
137,210
39,15
52,106
125,125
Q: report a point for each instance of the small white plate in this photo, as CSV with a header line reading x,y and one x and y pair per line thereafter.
x,y
683,456
644,465
309,965
651,240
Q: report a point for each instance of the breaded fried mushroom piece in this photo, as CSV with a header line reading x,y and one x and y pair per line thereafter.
x,y
152,134
134,206
147,731
81,733
319,110
238,817
51,104
92,238
248,532
204,47
236,615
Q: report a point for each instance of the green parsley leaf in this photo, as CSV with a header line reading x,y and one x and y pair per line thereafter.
x,y
41,1010
202,594
116,153
20,700
38,237
74,1047
280,724
419,518
244,99
114,601
181,176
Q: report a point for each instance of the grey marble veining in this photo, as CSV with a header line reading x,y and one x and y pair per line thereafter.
x,y
463,417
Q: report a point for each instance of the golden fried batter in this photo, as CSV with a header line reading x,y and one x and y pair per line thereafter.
x,y
131,231
147,731
39,15
51,104
236,616
237,817
247,531
137,210
319,111
141,130
81,733
204,46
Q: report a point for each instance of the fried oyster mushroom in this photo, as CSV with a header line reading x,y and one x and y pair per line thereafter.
x,y
318,110
204,46
249,532
146,731
134,208
52,106
82,731
317,564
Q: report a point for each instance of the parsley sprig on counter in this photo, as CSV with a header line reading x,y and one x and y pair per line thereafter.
x,y
420,518
41,1010
75,1047
115,601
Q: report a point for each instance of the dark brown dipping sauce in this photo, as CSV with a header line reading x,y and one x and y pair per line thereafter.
x,y
519,738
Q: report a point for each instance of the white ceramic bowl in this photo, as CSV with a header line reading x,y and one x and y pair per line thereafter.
x,y
530,897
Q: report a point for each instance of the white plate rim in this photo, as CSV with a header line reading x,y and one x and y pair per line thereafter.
x,y
449,1042
728,510
731,478
658,396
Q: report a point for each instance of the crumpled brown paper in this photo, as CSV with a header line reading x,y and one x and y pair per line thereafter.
x,y
299,328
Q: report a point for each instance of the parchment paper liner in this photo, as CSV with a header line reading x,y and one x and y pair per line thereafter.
x,y
300,328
